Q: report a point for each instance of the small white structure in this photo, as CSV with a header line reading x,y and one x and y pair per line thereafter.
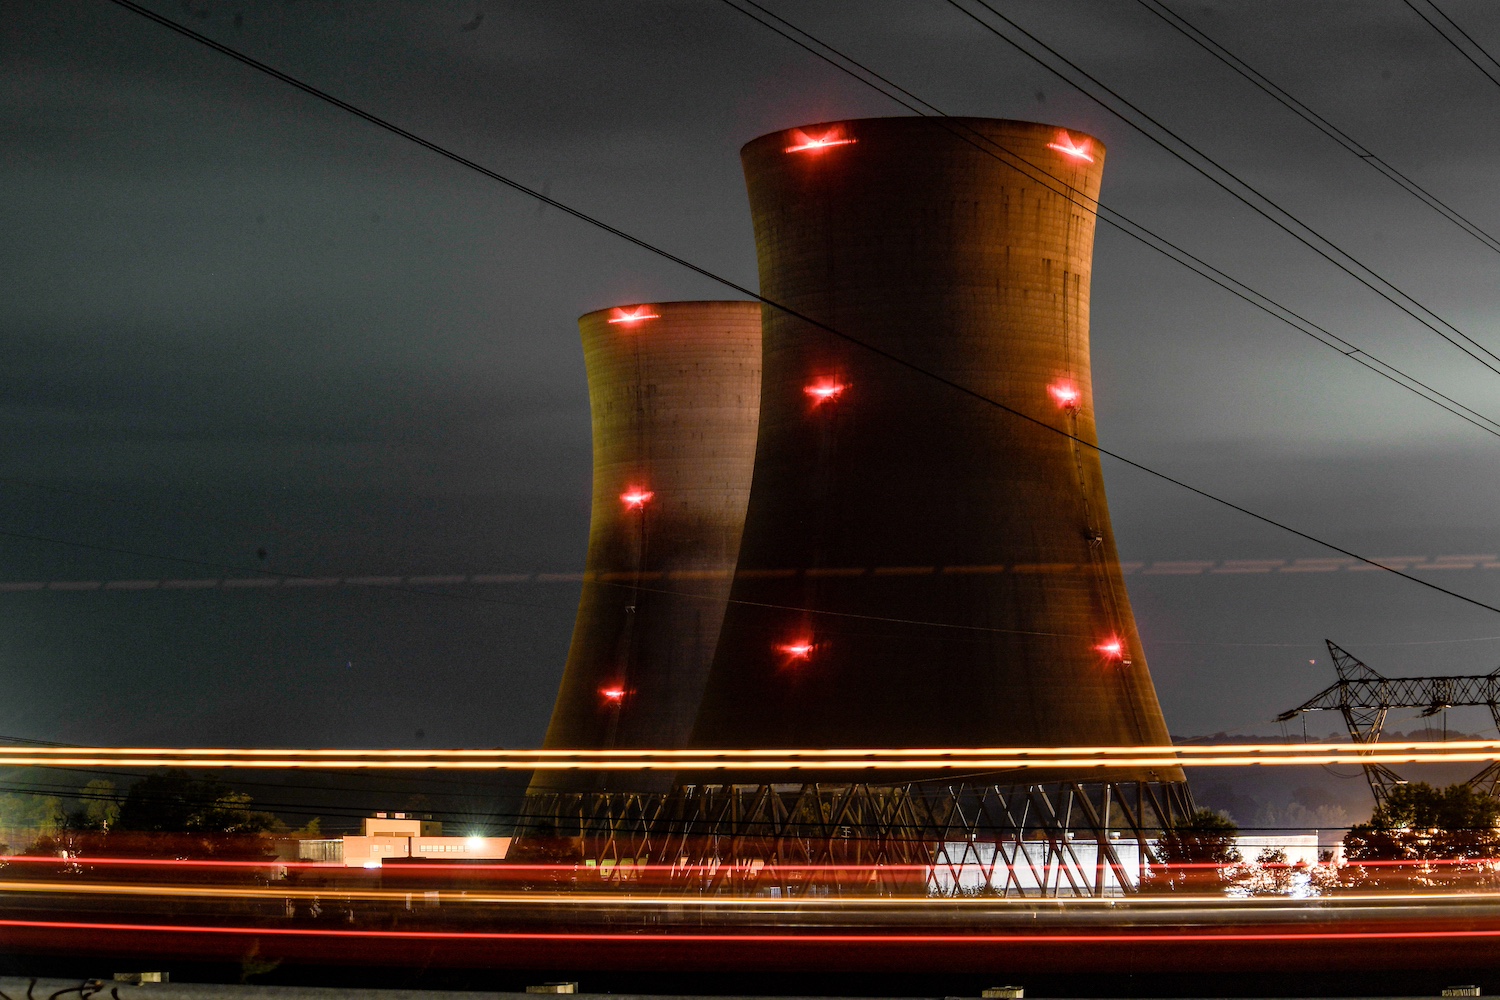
x,y
1034,867
1072,867
399,835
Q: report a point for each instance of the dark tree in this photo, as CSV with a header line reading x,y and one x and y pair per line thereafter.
x,y
1194,854
176,802
98,810
180,814
1418,822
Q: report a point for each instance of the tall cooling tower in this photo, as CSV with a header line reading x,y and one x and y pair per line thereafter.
x,y
674,388
919,568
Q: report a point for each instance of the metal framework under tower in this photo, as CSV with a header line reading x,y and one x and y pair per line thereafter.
x,y
1054,839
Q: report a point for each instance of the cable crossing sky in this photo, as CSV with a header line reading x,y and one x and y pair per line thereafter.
x,y
728,283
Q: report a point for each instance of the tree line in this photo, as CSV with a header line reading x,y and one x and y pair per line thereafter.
x,y
174,811
1438,836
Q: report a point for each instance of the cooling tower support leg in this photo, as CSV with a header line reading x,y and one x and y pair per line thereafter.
x,y
964,839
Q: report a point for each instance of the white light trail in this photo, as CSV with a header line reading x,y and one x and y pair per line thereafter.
x,y
874,759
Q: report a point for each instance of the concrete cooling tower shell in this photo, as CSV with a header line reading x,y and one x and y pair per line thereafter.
x,y
955,562
674,388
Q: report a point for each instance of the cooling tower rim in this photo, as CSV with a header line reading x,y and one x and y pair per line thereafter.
x,y
672,304
779,135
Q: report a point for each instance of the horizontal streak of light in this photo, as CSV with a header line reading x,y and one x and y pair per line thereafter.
x,y
566,898
921,758
729,867
1187,567
843,754
630,937
760,765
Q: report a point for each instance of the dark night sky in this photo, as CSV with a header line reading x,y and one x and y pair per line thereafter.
x,y
235,318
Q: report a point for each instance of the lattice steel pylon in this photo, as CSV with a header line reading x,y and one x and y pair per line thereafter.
x,y
1364,697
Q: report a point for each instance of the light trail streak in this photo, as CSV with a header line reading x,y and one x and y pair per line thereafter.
x,y
843,753
918,764
732,867
874,759
612,899
718,764
813,938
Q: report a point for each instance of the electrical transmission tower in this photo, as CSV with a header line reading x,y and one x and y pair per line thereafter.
x,y
1364,697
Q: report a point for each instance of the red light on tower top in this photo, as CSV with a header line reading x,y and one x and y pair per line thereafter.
x,y
824,389
613,695
1066,146
1066,394
632,316
1112,648
804,143
801,649
636,498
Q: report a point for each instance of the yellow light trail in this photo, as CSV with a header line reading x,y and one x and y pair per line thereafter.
x,y
909,759
1420,746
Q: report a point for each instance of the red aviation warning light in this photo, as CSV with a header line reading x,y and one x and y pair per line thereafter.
x,y
612,695
824,389
1112,648
799,649
1066,146
1065,393
632,316
804,143
636,498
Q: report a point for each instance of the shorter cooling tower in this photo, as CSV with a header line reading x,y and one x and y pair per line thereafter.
x,y
675,392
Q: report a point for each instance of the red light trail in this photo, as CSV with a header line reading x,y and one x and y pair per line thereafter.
x,y
631,937
530,895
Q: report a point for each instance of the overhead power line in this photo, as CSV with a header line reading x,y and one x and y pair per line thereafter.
x,y
1488,66
1199,37
895,359
1238,188
845,63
